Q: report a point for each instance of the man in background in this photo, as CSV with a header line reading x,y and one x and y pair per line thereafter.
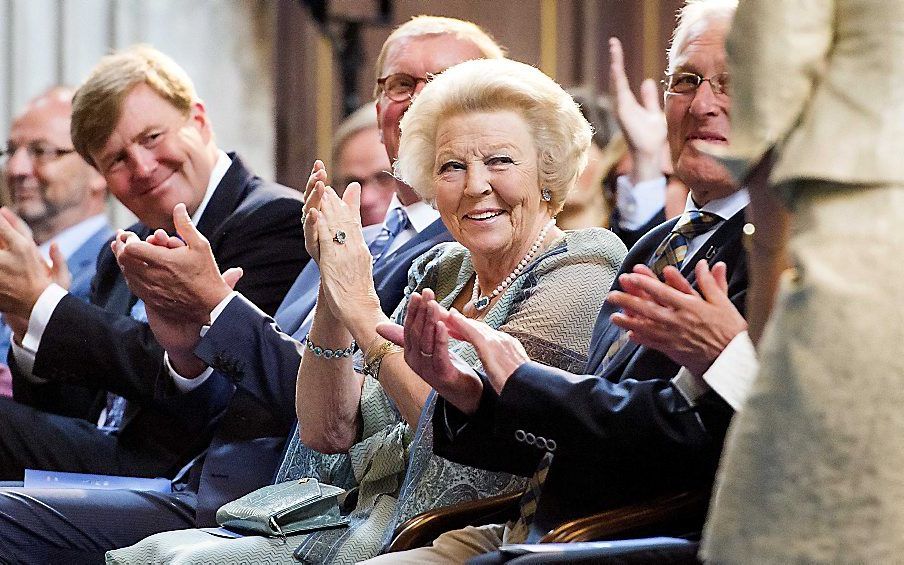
x,y
359,156
59,196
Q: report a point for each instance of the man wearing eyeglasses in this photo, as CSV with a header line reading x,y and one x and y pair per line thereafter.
x,y
644,421
59,196
140,123
241,350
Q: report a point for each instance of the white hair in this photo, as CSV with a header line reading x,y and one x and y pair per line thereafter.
x,y
693,18
560,132
423,26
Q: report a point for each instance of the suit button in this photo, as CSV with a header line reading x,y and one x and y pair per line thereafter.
x,y
530,439
550,445
519,435
541,442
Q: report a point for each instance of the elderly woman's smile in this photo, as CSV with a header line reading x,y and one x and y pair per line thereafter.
x,y
486,183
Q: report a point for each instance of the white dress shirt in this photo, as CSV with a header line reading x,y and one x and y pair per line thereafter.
x,y
638,203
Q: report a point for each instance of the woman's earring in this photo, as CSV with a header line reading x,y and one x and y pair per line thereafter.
x,y
546,195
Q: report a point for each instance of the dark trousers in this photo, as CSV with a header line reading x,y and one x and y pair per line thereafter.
x,y
32,439
78,525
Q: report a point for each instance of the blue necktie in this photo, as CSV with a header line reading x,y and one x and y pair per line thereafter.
x,y
393,226
116,405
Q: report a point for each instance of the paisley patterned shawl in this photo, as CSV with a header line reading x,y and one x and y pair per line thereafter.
x,y
551,307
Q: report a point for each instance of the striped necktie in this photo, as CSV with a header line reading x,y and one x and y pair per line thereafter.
x,y
528,503
393,226
671,251
673,248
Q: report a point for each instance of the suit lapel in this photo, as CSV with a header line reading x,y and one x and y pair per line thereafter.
x,y
715,248
120,299
227,196
627,350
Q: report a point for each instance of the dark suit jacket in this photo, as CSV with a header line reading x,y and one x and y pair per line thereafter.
x,y
631,237
623,433
253,356
251,224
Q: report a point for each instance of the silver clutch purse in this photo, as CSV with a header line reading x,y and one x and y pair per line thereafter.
x,y
301,505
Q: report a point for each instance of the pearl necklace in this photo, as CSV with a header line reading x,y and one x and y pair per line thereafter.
x,y
481,302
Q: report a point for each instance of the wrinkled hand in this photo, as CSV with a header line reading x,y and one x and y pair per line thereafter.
x,y
177,279
426,342
313,192
346,278
500,353
673,318
643,125
24,274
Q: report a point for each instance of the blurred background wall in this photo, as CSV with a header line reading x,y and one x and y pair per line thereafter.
x,y
278,75
226,46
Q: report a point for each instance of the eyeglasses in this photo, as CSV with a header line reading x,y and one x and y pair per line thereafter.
x,y
383,178
688,83
400,87
40,153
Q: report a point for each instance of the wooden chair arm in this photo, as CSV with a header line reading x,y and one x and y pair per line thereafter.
x,y
422,529
675,514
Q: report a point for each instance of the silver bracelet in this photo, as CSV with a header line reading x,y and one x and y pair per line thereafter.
x,y
330,353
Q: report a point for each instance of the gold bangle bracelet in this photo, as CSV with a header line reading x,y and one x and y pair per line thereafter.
x,y
373,356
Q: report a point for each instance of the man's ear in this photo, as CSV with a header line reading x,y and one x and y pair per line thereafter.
x,y
97,184
198,117
379,121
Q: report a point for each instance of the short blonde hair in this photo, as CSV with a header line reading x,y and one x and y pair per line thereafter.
x,y
692,19
97,104
560,132
420,26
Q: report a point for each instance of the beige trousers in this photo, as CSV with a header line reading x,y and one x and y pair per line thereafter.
x,y
813,468
456,546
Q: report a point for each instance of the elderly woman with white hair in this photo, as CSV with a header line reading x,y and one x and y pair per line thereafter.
x,y
495,146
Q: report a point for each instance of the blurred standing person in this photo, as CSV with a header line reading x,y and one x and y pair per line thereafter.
x,y
813,467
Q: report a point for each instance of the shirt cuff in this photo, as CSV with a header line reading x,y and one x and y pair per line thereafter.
x,y
217,310
26,361
690,387
183,384
732,373
638,203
